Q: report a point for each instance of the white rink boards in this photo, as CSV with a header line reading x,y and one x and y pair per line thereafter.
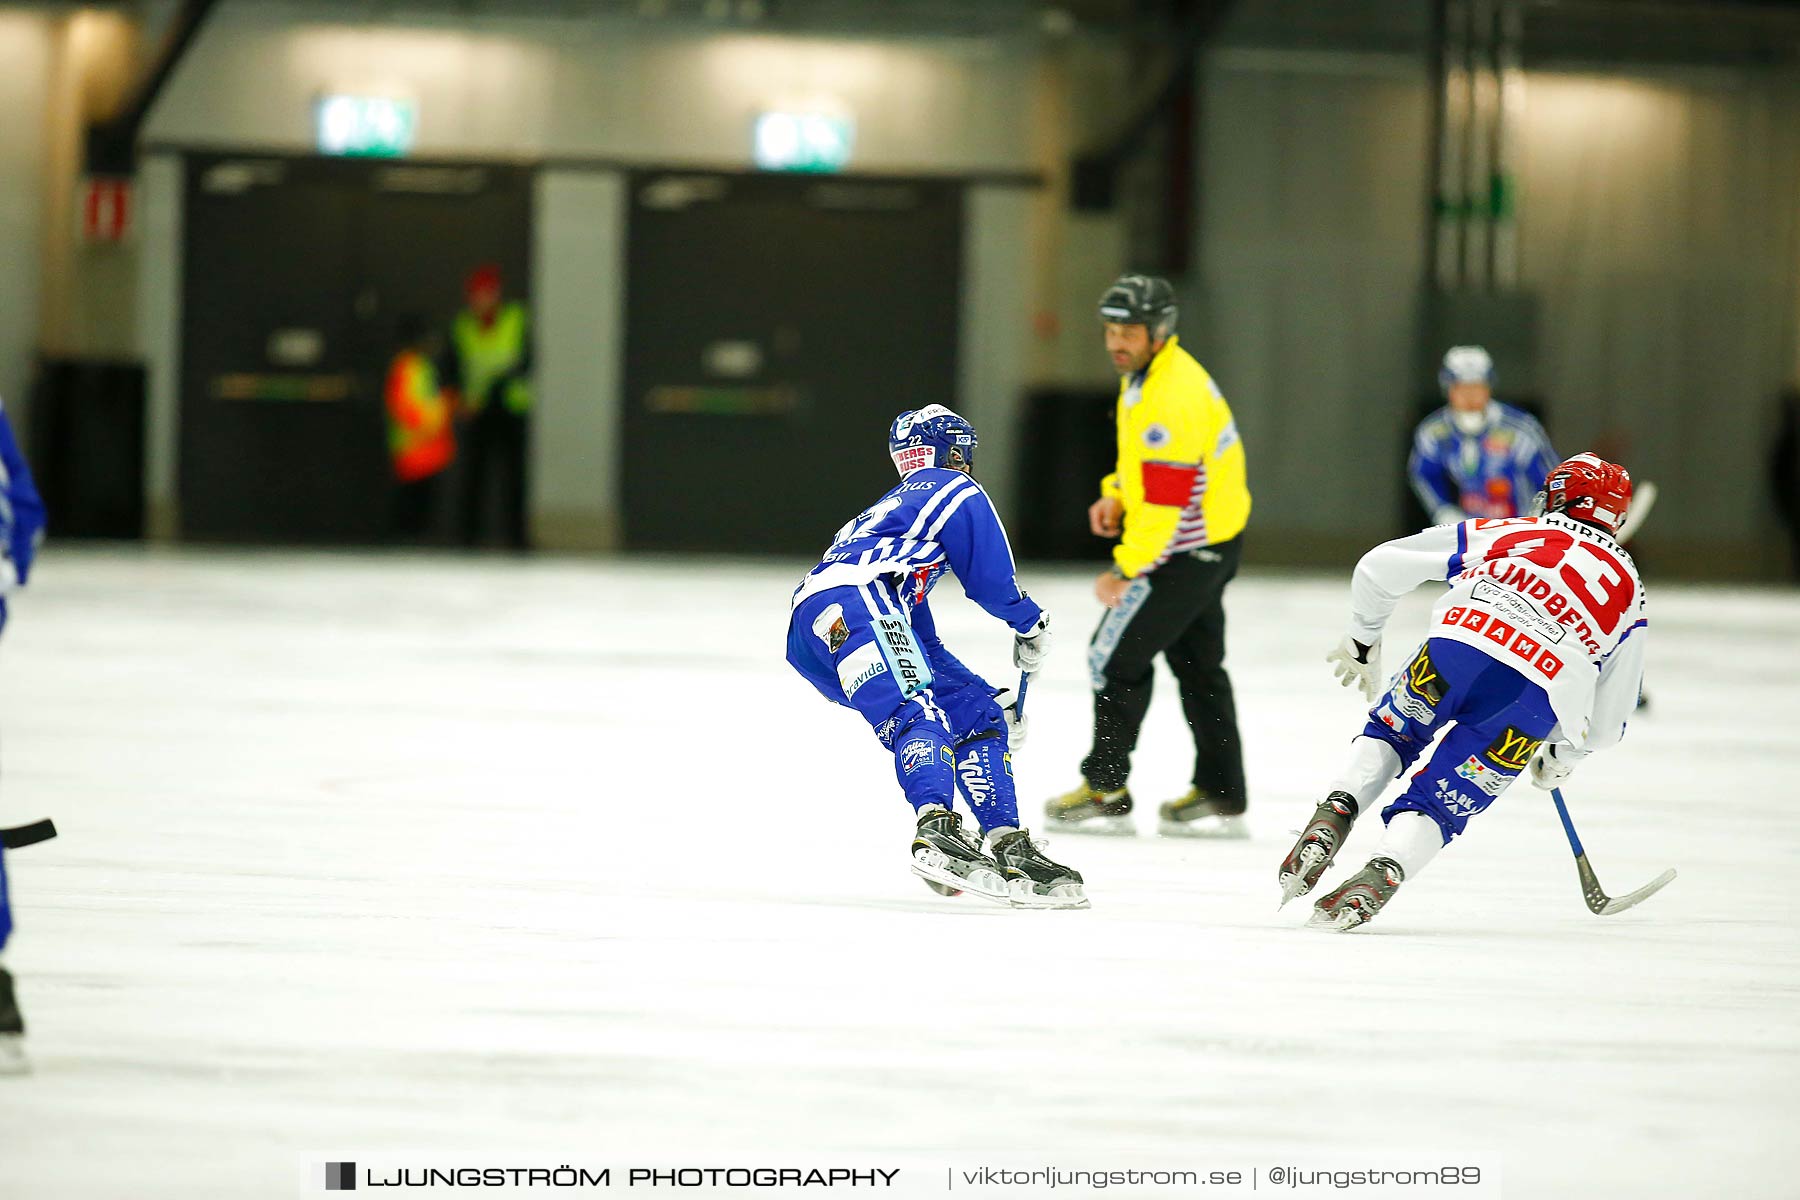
x,y
369,852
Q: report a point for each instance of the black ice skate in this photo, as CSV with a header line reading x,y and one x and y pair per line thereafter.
x,y
1087,809
1202,815
950,861
1360,898
1317,847
12,1030
1036,882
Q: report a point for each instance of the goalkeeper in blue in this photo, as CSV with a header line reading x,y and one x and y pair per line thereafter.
x,y
862,633
1476,457
21,531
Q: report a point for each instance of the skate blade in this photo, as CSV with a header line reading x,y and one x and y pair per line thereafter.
x,y
1063,895
929,864
1232,828
1094,826
1293,883
1342,921
942,889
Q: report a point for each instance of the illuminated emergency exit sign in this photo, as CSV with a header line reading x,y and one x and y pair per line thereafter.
x,y
365,126
788,141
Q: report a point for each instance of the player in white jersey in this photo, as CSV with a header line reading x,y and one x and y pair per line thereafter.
x,y
1533,659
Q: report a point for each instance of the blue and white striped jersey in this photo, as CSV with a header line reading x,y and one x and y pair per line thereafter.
x,y
1494,473
933,518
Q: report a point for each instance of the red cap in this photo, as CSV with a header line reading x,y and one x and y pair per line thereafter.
x,y
485,278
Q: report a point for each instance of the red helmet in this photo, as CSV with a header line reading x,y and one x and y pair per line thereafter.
x,y
1588,488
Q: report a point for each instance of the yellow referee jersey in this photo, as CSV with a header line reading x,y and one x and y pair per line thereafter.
x,y
1181,463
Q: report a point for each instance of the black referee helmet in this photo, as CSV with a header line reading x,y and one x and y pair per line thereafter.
x,y
1145,300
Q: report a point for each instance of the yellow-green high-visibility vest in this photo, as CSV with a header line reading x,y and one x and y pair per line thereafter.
x,y
488,352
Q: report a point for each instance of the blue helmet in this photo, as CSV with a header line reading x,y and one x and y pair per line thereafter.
x,y
1466,364
932,436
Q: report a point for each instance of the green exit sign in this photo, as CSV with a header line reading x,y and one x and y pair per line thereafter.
x,y
365,126
790,141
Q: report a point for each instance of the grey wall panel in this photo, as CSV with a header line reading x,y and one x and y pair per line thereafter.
x,y
996,315
1310,250
1660,222
160,192
579,265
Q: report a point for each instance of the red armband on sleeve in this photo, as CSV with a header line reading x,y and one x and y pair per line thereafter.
x,y
1170,483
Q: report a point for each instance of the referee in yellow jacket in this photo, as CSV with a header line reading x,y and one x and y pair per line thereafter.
x,y
1177,503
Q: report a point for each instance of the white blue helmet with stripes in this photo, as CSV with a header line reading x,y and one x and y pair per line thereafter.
x,y
1466,364
932,436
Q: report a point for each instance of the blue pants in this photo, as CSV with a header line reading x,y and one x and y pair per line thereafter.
x,y
1498,719
940,719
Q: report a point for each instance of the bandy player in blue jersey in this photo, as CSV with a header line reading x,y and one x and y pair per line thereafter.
x,y
862,633
1476,457
1533,660
21,530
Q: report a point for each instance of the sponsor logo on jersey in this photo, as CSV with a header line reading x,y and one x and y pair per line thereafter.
x,y
916,754
1156,436
1519,610
1228,436
1393,720
831,629
1455,799
1495,630
1512,750
1423,680
1411,705
974,778
1483,776
858,667
913,458
886,731
895,637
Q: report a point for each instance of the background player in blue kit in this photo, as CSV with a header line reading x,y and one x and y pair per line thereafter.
x,y
862,633
1476,457
21,530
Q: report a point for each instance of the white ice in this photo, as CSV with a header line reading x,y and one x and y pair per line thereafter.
x,y
365,852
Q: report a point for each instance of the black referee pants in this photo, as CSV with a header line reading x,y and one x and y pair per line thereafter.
x,y
1177,611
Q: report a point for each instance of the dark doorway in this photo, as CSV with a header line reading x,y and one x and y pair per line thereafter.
x,y
297,272
775,325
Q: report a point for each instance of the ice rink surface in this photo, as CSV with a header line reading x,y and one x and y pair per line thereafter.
x,y
363,853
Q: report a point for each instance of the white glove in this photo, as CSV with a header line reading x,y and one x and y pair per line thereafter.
x,y
1031,649
1552,764
1016,725
1357,663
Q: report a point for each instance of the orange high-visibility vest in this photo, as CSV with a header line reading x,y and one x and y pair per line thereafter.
x,y
420,436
